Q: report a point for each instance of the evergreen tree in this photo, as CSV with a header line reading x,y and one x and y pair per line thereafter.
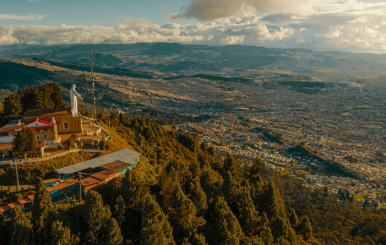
x,y
249,217
230,189
281,227
258,168
155,226
12,108
304,228
24,141
270,202
184,215
21,232
61,235
113,236
42,213
212,183
198,239
232,164
224,227
96,216
120,210
198,197
293,218
56,95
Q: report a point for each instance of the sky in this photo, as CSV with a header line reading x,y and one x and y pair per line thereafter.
x,y
336,25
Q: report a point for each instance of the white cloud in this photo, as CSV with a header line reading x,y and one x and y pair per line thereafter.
x,y
174,16
345,25
164,6
21,17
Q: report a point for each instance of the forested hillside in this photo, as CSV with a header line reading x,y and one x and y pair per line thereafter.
x,y
182,192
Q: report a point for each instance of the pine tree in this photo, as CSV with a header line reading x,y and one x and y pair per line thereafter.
x,y
24,141
61,235
224,227
198,197
270,202
21,232
155,226
304,228
293,218
42,213
198,239
212,183
230,189
120,209
281,227
96,215
232,164
12,107
113,236
56,95
249,217
184,215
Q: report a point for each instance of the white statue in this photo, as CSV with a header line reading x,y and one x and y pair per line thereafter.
x,y
74,96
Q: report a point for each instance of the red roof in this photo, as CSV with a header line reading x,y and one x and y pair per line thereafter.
x,y
38,120
56,187
22,201
43,127
30,197
51,180
4,208
90,181
12,128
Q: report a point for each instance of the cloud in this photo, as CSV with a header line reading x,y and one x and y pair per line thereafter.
x,y
343,26
21,17
164,6
174,16
209,10
34,1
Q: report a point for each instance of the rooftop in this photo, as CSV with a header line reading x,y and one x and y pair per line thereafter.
x,y
124,155
46,112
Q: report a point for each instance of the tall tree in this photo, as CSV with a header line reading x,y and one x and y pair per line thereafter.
x,y
113,236
304,228
96,216
155,226
212,183
230,189
224,228
120,209
24,141
12,108
42,213
184,215
61,235
21,232
198,197
249,217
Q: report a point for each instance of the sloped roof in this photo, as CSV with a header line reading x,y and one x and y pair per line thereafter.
x,y
12,128
40,120
50,180
37,113
115,166
56,187
4,208
122,155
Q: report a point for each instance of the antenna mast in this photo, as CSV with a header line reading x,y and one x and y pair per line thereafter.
x,y
93,85
85,89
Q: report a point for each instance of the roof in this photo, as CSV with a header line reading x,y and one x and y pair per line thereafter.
x,y
6,146
115,166
22,201
104,174
90,181
122,155
4,208
40,120
51,180
56,187
12,128
37,113
31,197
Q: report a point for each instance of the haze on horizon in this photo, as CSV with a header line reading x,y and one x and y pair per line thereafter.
x,y
336,25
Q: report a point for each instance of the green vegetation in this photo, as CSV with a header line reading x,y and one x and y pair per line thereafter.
x,y
24,141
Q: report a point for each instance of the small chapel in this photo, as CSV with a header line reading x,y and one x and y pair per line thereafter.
x,y
47,124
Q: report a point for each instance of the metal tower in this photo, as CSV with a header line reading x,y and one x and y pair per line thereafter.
x,y
93,85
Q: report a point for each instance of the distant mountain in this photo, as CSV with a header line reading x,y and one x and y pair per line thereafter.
x,y
174,57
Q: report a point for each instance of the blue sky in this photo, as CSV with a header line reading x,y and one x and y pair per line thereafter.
x,y
90,12
336,25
